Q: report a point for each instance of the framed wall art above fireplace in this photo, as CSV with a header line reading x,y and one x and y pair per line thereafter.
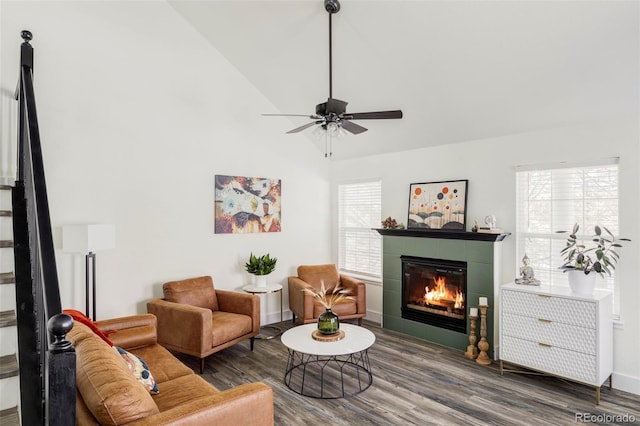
x,y
438,205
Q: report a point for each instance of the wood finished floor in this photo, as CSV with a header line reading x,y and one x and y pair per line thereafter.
x,y
418,383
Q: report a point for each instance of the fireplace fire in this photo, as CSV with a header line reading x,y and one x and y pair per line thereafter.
x,y
434,291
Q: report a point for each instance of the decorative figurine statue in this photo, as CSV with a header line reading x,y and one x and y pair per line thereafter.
x,y
490,221
526,273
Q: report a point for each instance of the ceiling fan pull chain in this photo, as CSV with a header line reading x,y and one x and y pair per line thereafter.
x,y
330,146
326,144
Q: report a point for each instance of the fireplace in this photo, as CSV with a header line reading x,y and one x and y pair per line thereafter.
x,y
482,254
434,292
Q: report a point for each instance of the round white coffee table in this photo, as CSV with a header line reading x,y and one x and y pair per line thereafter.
x,y
269,288
328,370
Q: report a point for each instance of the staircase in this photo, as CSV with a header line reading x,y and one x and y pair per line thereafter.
x,y
9,372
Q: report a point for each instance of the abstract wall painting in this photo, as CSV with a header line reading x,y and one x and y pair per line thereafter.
x,y
438,205
247,204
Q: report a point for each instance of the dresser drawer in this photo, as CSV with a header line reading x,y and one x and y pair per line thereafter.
x,y
566,336
550,359
557,309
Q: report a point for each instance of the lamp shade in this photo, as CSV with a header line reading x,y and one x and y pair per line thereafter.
x,y
88,237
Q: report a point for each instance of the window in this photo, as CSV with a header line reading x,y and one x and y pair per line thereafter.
x,y
359,210
554,199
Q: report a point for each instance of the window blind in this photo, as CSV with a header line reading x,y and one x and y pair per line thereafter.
x,y
554,199
359,210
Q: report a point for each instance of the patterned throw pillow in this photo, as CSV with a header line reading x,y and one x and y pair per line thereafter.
x,y
139,370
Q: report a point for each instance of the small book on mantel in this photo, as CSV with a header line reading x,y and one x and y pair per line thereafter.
x,y
491,230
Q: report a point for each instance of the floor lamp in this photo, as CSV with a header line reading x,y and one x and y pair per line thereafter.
x,y
88,239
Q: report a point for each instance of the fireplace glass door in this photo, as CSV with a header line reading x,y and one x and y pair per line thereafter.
x,y
434,292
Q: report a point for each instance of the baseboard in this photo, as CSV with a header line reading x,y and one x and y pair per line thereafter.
x,y
374,316
626,383
274,317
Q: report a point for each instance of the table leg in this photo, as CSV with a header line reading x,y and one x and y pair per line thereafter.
x,y
281,291
319,366
277,328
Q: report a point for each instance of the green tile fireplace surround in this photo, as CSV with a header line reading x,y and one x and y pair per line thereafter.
x,y
480,251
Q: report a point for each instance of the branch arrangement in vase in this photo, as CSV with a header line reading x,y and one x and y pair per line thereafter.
x,y
327,299
600,257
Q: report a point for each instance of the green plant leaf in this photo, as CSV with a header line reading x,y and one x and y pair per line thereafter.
x,y
577,255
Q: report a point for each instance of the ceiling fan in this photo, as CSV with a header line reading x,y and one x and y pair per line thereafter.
x,y
332,114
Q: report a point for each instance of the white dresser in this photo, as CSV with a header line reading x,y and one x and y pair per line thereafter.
x,y
557,332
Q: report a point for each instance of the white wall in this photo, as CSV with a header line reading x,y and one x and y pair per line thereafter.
x,y
137,114
489,166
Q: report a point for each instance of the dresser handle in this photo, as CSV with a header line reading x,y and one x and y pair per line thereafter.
x,y
546,296
544,320
544,345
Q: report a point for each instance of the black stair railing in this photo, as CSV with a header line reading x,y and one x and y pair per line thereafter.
x,y
47,359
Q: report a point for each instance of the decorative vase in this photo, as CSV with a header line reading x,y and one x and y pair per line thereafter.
x,y
581,283
261,280
328,323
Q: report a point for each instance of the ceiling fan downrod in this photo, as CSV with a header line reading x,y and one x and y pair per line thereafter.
x,y
331,6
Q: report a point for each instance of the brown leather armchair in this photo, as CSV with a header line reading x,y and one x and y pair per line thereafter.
x,y
308,309
196,319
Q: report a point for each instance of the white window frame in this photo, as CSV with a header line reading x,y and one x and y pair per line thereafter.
x,y
564,203
359,246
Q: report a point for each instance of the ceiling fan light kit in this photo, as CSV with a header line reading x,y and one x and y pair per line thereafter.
x,y
332,115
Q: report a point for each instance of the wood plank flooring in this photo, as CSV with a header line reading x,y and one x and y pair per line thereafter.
x,y
418,383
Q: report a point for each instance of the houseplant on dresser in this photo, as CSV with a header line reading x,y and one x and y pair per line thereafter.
x,y
261,266
583,262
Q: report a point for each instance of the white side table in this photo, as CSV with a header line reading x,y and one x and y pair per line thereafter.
x,y
269,288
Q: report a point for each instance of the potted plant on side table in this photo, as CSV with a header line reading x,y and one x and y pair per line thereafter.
x,y
583,262
261,266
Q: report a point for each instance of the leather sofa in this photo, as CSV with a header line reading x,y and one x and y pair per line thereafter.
x,y
108,393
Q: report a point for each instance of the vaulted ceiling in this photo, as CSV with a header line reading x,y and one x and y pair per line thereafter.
x,y
459,70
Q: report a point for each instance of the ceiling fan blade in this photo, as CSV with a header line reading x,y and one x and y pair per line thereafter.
x,y
315,117
374,115
306,126
351,127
